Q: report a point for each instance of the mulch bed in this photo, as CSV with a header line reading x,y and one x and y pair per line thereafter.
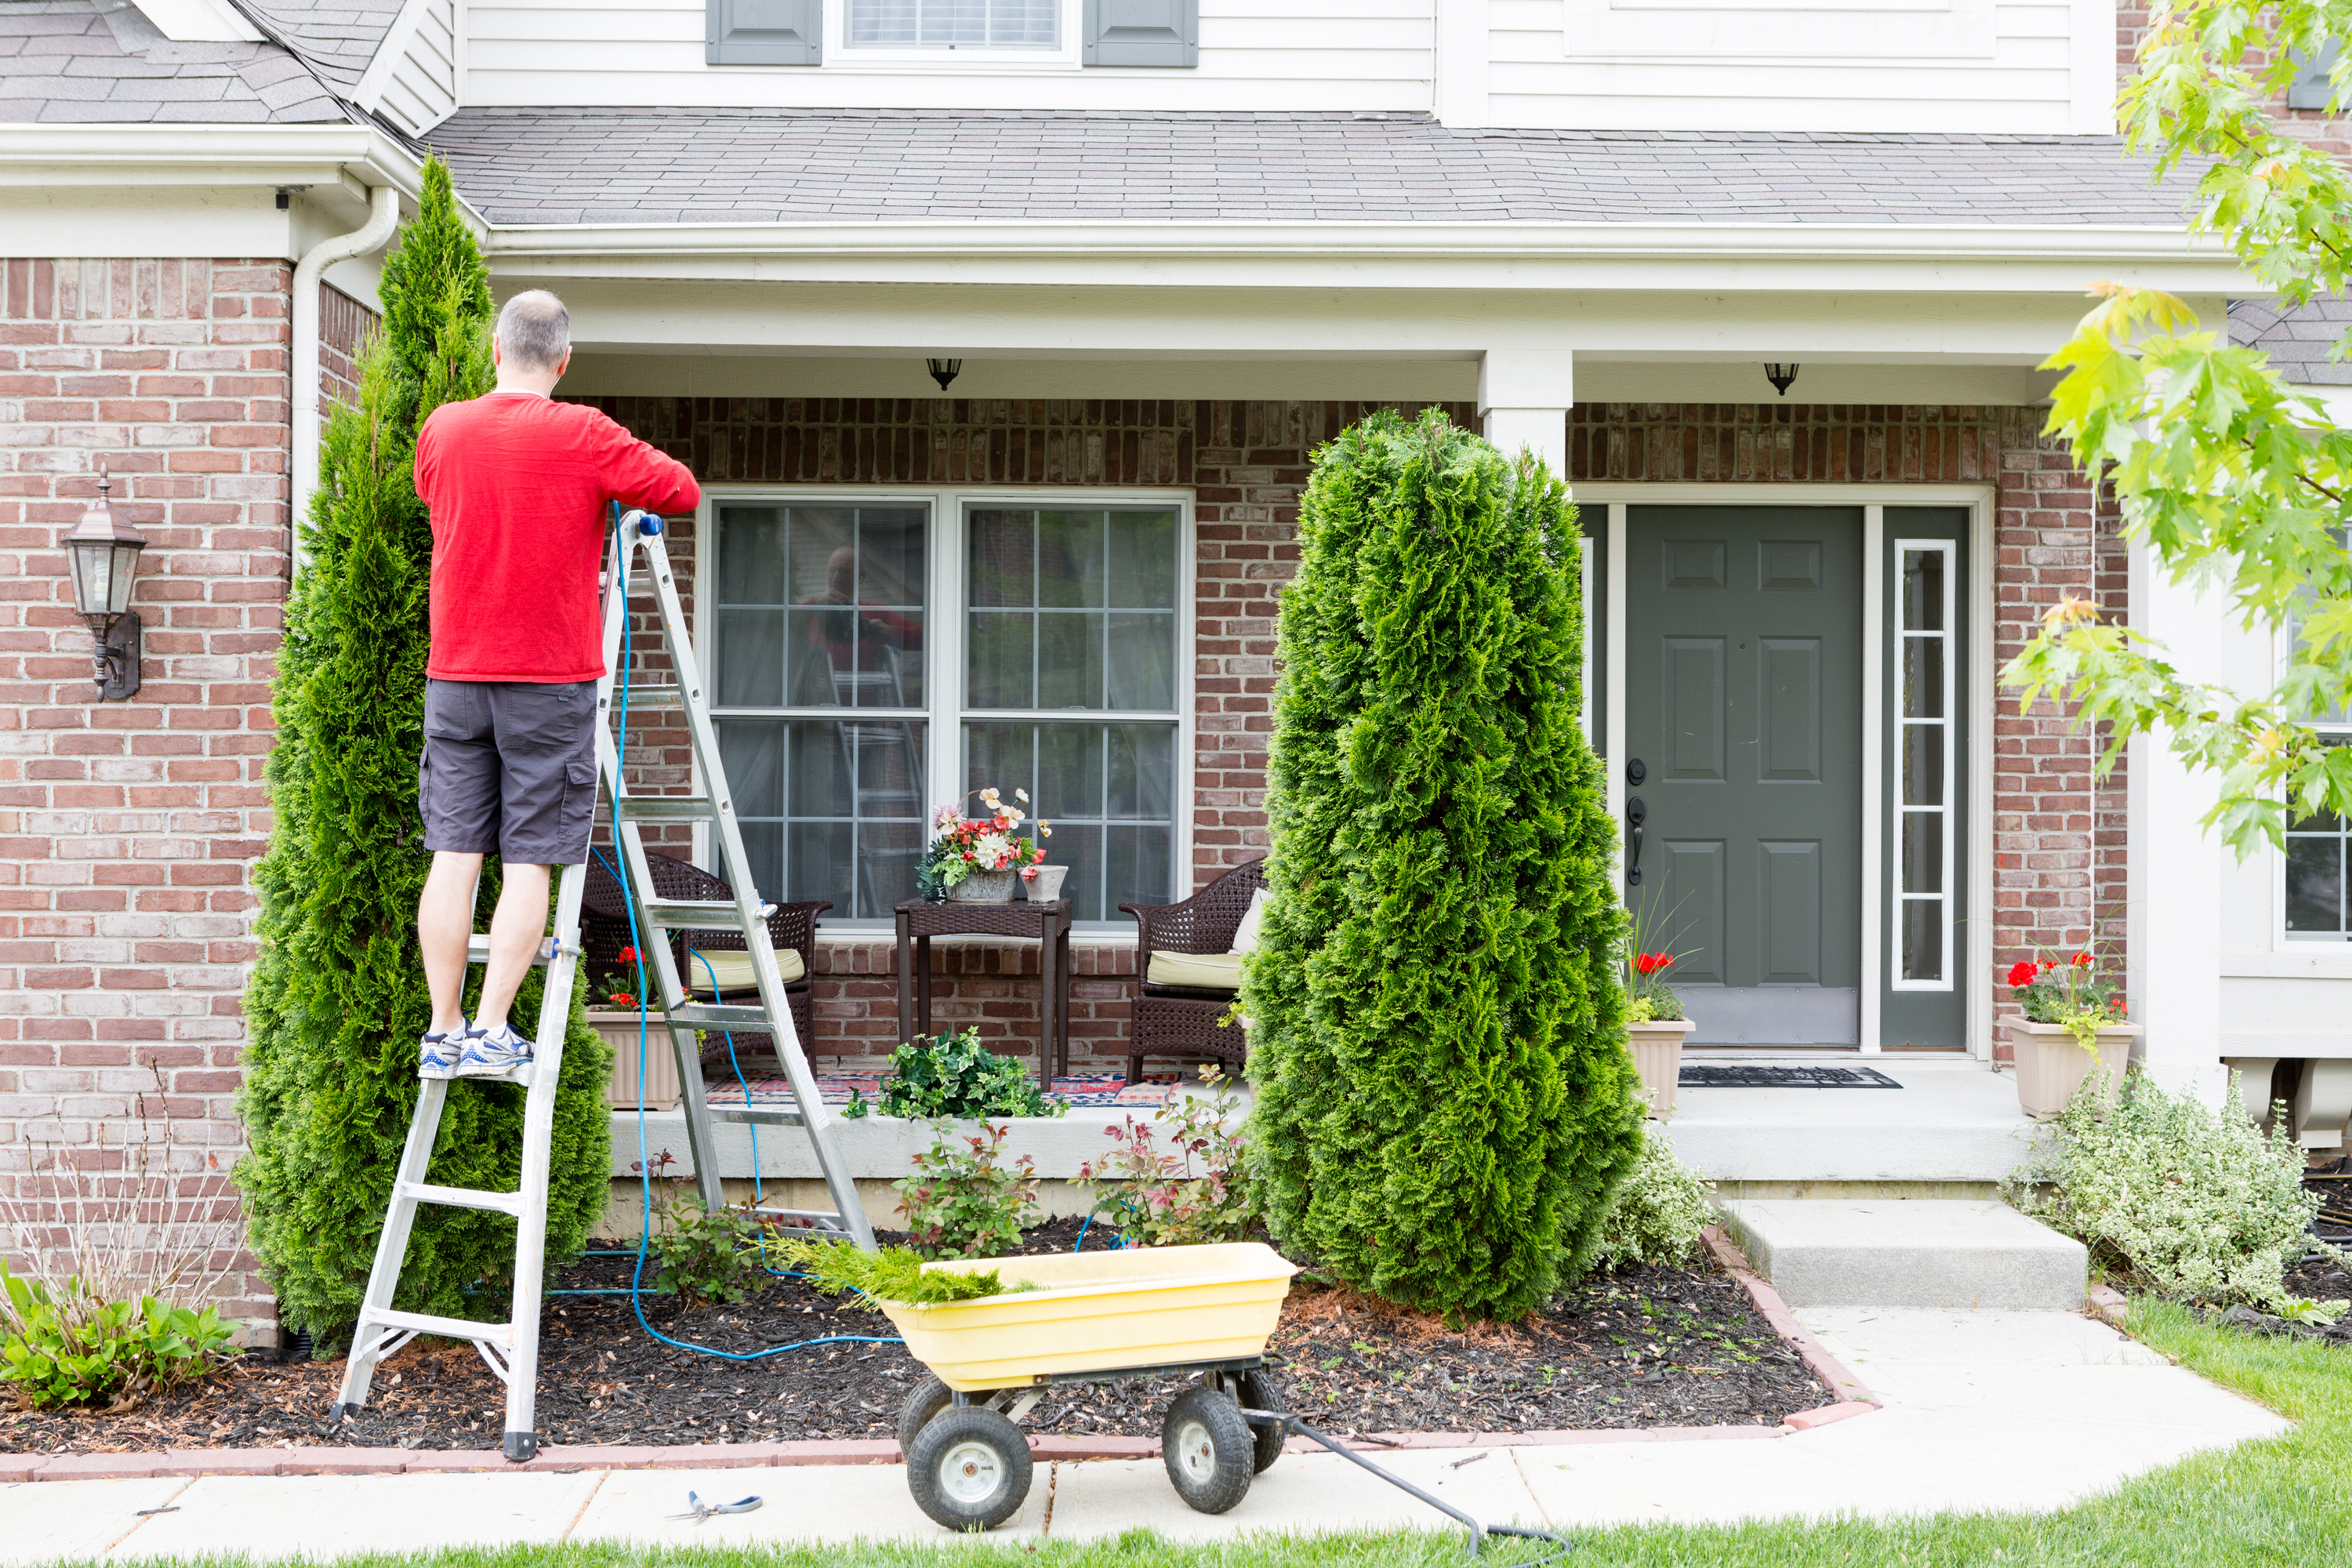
x,y
1643,1347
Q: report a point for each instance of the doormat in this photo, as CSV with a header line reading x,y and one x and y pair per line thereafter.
x,y
1710,1075
1081,1091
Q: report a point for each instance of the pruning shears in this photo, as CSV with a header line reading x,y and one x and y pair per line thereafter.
x,y
698,1510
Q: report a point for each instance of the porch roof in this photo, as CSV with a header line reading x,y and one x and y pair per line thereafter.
x,y
566,166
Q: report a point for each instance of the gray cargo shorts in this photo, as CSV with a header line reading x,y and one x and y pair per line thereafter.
x,y
510,769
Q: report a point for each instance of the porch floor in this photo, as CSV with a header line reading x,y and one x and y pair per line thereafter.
x,y
1955,1121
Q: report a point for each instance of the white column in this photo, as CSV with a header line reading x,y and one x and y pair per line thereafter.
x,y
1524,396
2174,920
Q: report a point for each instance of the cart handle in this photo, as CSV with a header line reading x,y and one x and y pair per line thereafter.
x,y
1478,1533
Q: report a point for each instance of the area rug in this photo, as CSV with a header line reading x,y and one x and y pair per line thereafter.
x,y
1710,1074
1085,1090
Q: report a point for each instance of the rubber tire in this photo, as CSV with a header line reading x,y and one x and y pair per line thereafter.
x,y
1260,1392
931,1396
954,1435
1209,1451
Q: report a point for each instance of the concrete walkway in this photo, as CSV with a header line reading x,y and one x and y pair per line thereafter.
x,y
1984,1411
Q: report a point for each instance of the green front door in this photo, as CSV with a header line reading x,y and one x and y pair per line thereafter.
x,y
1743,762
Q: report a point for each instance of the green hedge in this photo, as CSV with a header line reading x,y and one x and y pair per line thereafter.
x,y
1445,1102
337,998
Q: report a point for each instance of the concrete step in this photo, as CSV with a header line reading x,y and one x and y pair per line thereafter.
x,y
1919,1252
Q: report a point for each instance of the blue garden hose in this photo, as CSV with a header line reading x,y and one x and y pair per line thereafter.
x,y
644,1168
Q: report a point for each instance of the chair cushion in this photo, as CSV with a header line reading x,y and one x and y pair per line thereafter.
x,y
1246,934
733,969
1203,971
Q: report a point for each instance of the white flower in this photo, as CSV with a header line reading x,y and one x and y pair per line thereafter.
x,y
1021,795
991,850
988,796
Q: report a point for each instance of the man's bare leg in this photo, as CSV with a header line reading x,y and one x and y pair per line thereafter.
x,y
516,929
445,921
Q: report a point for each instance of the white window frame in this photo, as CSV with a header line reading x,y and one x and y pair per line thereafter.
x,y
2281,939
979,57
1897,721
943,647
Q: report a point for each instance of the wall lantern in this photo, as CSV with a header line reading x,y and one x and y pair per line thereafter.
x,y
1782,377
104,556
944,370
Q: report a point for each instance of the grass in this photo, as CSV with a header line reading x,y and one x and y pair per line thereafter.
x,y
2284,1502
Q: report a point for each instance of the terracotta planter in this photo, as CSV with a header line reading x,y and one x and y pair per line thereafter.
x,y
986,887
619,1028
2051,1065
1657,1047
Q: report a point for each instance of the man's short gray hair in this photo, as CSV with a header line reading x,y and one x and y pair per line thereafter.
x,y
535,330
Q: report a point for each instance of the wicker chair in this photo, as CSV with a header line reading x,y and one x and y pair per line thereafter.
x,y
604,932
1181,1020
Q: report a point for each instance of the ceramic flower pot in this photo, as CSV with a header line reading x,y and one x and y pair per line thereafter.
x,y
1657,1047
623,1091
985,887
2051,1065
1047,884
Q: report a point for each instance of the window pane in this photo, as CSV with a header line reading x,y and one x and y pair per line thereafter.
x,y
1071,560
1923,765
1142,561
750,658
1923,590
2314,884
1003,559
1142,647
835,809
1923,939
999,648
1923,677
751,555
1069,660
821,606
1923,851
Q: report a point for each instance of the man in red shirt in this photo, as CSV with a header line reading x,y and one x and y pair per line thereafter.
x,y
518,486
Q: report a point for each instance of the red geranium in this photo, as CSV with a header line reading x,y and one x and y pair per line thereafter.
x,y
2083,960
1652,962
2022,972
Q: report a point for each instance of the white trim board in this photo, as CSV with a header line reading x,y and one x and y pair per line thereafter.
x,y
1872,499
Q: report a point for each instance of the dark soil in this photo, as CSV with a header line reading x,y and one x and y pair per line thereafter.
x,y
1644,1347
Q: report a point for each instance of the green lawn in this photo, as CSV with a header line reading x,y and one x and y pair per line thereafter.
x,y
2283,1503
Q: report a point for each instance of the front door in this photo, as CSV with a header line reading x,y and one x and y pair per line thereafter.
x,y
1743,764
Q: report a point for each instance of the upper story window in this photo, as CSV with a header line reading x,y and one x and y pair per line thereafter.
x,y
955,23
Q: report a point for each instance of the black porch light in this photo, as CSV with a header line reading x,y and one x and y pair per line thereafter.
x,y
944,370
1782,377
104,557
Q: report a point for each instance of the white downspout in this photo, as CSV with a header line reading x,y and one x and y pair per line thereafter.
x,y
383,217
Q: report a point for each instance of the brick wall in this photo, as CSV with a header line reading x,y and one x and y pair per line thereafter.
x,y
1244,461
2059,842
2330,133
127,828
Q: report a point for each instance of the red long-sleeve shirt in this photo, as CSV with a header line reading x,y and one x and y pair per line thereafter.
x,y
518,485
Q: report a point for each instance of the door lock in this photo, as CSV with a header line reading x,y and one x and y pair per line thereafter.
x,y
1636,814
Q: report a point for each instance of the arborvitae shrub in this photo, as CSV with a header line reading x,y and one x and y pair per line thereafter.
x,y
1445,1102
338,997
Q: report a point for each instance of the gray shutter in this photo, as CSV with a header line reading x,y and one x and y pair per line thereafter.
x,y
2311,88
1143,33
763,32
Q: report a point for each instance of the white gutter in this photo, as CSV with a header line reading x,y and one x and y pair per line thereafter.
x,y
383,217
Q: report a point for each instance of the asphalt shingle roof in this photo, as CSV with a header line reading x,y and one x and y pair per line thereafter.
x,y
751,165
79,62
2296,337
338,38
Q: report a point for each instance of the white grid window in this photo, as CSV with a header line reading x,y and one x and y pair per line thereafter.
x,y
1926,749
2318,903
955,23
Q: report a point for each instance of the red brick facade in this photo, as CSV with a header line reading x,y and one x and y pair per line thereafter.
x,y
127,828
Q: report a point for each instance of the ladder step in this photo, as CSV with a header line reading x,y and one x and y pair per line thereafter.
x,y
693,914
761,1117
460,1197
665,808
824,1220
500,1334
721,1016
477,949
641,697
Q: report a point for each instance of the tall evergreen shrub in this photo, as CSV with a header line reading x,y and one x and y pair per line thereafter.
x,y
1445,1102
338,997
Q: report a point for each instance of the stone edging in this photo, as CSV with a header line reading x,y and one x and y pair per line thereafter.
x,y
326,1459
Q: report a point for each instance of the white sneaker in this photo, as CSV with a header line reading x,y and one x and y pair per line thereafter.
x,y
438,1055
490,1052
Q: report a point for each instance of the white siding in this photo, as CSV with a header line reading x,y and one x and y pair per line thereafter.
x,y
413,80
1270,55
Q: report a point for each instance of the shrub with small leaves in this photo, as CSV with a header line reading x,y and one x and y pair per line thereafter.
x,y
956,1076
960,1203
1656,1216
702,1255
2176,1196
66,1347
1189,1190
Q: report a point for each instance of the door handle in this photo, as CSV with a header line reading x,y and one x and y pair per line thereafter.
x,y
1636,814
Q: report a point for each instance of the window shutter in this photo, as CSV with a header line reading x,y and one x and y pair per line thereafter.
x,y
763,32
1143,33
2311,88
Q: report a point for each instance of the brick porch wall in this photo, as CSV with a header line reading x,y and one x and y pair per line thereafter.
x,y
2059,840
1244,461
127,828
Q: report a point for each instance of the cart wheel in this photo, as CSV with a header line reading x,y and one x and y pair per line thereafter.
x,y
1208,1449
931,1397
1260,1392
968,1468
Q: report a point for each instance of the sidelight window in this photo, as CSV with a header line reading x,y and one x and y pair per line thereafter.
x,y
1925,714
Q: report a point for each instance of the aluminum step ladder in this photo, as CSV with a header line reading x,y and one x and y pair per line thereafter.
x,y
511,1348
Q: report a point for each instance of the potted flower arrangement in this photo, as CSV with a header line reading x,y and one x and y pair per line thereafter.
x,y
1654,1024
612,1012
2071,1027
980,859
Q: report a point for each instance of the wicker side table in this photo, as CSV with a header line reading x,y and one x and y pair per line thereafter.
x,y
1048,924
